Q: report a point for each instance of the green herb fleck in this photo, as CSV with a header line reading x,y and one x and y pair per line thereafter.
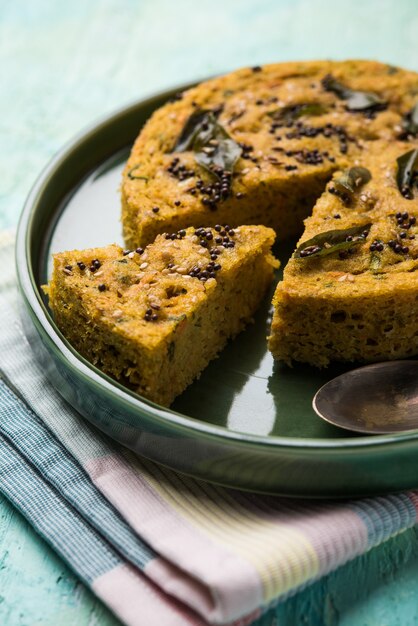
x,y
407,173
125,280
133,177
355,100
375,262
170,350
331,241
177,318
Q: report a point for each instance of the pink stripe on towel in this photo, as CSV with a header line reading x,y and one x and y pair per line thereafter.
x,y
137,602
233,585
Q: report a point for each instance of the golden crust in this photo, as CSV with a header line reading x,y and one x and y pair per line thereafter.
x,y
154,318
359,306
280,186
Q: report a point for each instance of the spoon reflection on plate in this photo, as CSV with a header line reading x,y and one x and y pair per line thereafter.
x,y
378,398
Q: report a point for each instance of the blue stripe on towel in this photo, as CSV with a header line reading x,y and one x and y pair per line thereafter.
x,y
63,528
28,435
385,516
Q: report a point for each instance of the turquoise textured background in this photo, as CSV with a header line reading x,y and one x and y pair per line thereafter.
x,y
62,65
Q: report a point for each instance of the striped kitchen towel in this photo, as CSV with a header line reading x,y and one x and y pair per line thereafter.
x,y
159,548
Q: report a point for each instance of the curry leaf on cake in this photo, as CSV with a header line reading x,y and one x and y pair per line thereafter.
x,y
349,182
333,241
407,174
214,149
355,100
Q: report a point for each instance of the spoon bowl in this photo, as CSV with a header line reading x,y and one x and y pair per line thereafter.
x,y
376,399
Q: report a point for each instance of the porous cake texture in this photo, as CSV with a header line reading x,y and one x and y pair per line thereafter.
x,y
153,317
350,291
331,143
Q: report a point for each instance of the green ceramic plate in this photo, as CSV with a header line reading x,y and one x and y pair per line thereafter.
x,y
247,422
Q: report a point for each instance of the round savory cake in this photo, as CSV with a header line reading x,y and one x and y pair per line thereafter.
x,y
258,146
331,143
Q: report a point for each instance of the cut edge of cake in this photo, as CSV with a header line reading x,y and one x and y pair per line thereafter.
x,y
153,319
357,299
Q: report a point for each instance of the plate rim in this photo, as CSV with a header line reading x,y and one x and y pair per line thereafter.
x,y
30,291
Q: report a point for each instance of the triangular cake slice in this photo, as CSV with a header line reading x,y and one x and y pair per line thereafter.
x,y
350,291
153,318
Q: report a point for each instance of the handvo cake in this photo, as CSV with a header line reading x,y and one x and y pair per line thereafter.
x,y
281,132
153,317
350,291
258,146
214,175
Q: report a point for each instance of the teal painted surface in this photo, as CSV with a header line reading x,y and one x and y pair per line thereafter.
x,y
36,587
64,64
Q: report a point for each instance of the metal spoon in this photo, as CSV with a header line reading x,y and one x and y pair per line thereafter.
x,y
379,398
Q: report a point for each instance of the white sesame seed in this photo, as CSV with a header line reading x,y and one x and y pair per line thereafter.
x,y
131,255
349,277
143,266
